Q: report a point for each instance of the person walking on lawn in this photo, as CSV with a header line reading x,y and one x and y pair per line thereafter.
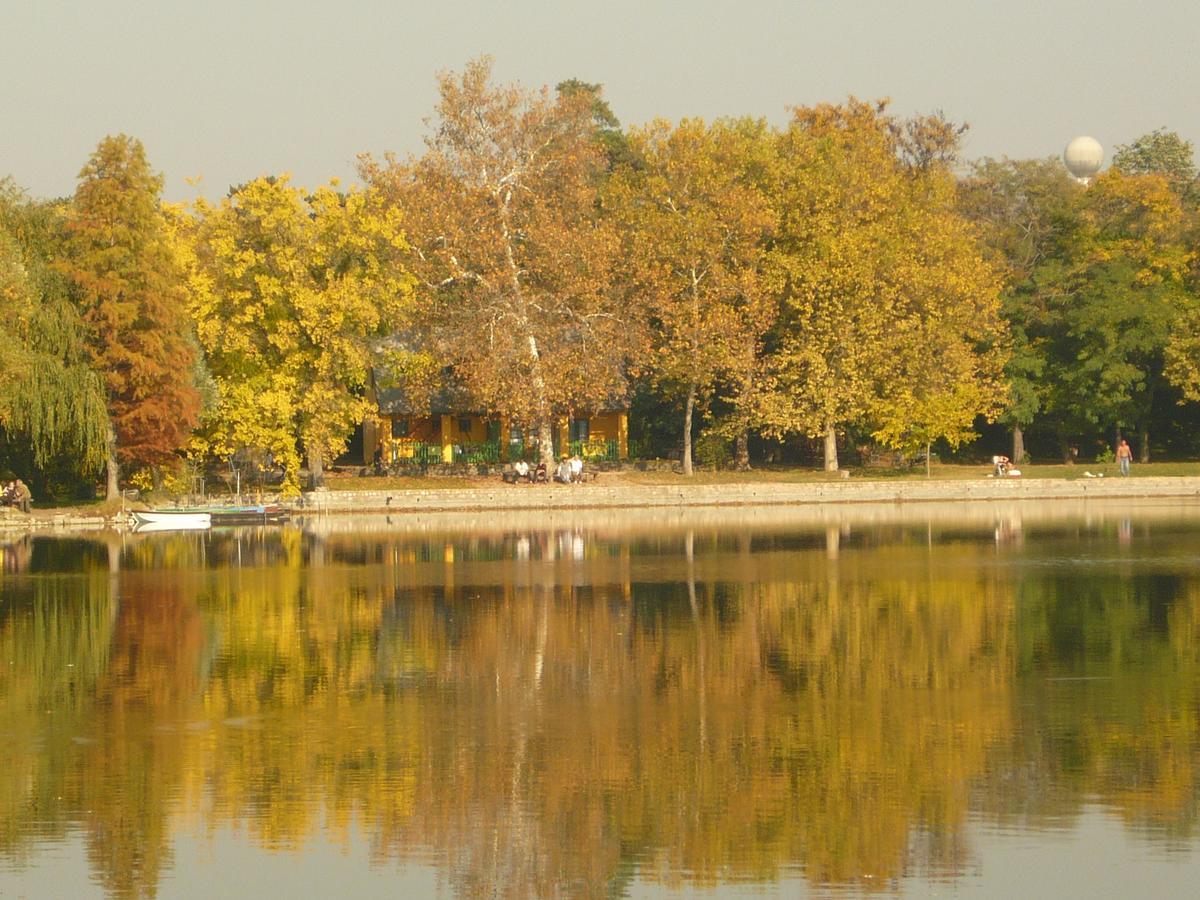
x,y
1124,456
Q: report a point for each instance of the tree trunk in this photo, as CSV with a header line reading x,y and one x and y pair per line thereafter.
x,y
546,444
831,457
741,448
1018,448
742,451
112,468
928,445
688,409
316,469
1144,444
545,422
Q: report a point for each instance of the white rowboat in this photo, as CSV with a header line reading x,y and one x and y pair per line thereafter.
x,y
171,520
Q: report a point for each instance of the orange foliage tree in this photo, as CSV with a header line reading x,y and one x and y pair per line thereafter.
x,y
130,289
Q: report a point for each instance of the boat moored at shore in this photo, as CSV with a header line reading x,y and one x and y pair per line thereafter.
x,y
171,520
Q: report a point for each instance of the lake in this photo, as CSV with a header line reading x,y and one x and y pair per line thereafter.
x,y
987,700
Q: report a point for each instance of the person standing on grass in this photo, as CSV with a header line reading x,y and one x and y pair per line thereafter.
x,y
1124,456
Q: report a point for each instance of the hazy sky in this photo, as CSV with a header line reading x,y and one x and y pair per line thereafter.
x,y
230,89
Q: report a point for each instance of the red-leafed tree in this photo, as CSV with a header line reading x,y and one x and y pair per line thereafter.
x,y
130,288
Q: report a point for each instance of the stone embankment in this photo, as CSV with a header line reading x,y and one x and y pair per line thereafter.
x,y
44,520
601,496
595,496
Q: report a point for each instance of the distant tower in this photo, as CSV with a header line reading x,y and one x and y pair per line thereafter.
x,y
1083,157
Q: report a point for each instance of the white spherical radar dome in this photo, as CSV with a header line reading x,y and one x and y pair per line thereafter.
x,y
1083,157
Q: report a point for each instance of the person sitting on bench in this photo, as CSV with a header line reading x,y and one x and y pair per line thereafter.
x,y
22,496
518,472
563,473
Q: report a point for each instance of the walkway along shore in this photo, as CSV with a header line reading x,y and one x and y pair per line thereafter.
x,y
501,497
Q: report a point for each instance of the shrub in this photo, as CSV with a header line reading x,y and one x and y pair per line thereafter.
x,y
713,450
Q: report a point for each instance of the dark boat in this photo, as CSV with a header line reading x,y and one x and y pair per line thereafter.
x,y
269,514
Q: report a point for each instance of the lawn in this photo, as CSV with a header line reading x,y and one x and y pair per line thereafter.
x,y
790,475
405,482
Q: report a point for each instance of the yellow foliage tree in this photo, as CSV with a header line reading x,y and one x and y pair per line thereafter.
x,y
695,218
287,289
879,277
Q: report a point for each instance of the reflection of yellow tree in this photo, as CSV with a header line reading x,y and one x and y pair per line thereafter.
x,y
300,694
573,734
900,687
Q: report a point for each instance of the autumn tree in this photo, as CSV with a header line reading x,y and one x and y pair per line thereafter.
x,y
880,278
288,289
514,259
950,348
695,220
130,288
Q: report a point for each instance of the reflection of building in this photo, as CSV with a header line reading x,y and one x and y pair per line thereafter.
x,y
448,431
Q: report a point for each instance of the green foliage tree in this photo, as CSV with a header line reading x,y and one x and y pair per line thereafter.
x,y
1026,210
52,405
606,125
129,286
1123,297
1160,152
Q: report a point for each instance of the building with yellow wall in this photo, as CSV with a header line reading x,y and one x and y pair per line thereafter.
x,y
405,436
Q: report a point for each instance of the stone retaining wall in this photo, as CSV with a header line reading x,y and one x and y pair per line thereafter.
x,y
17,521
598,495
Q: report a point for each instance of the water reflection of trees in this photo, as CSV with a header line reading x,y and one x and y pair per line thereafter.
x,y
558,711
55,638
1107,683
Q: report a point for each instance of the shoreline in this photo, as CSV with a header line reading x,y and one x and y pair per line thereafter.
x,y
564,498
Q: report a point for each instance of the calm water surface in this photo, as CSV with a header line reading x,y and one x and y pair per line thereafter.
x,y
986,702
